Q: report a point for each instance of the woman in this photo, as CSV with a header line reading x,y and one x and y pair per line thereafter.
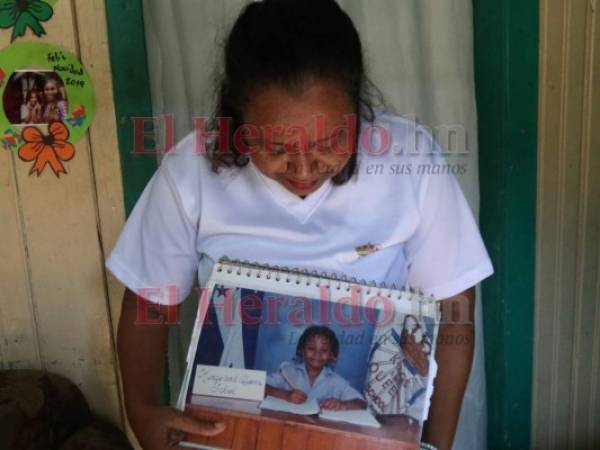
x,y
298,173
55,109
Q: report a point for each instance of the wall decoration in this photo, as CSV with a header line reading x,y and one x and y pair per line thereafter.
x,y
47,98
47,149
10,139
22,14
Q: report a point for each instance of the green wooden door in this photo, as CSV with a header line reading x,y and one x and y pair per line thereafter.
x,y
506,74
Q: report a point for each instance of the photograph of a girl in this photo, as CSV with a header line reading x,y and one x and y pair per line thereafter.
x,y
31,110
416,345
35,98
311,374
55,105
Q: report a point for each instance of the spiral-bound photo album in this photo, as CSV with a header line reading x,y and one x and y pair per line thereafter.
x,y
276,340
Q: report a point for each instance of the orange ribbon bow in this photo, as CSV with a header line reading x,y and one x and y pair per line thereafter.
x,y
51,148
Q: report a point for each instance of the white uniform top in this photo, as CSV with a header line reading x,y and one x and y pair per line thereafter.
x,y
418,224
328,384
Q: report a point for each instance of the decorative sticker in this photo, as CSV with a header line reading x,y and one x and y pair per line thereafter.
x,y
22,14
48,102
47,149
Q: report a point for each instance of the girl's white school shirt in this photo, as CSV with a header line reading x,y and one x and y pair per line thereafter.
x,y
402,219
328,384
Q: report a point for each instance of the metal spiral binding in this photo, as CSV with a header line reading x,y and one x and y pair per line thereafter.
x,y
304,276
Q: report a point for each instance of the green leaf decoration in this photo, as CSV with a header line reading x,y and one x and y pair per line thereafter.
x,y
23,14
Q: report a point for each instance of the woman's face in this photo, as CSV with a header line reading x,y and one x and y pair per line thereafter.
x,y
302,139
418,334
33,99
50,91
410,324
317,353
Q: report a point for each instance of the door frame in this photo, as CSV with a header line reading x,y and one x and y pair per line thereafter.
x,y
131,87
506,40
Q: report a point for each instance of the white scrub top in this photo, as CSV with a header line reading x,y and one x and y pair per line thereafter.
x,y
401,219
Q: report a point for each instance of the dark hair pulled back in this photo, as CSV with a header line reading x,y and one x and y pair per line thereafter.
x,y
286,43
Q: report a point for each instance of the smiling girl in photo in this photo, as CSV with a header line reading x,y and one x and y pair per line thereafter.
x,y
311,374
55,106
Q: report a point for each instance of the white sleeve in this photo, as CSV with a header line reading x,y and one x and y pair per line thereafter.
x,y
446,254
24,112
275,380
155,255
347,392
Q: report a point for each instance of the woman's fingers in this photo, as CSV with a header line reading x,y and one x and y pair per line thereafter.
x,y
174,437
190,425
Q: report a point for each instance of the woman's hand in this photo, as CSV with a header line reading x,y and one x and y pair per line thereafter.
x,y
454,356
161,428
142,348
297,397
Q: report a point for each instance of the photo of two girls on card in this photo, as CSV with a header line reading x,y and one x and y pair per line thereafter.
x,y
35,97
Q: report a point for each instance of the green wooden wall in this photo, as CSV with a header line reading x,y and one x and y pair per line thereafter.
x,y
506,66
131,86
